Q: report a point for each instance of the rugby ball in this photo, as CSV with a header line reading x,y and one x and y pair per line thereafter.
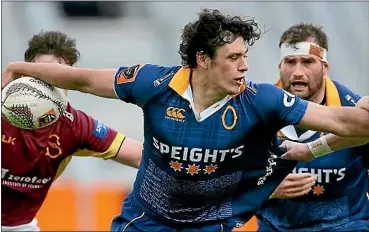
x,y
30,103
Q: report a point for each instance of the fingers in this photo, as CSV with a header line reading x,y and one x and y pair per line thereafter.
x,y
286,156
284,144
301,188
297,194
299,183
299,155
298,176
295,185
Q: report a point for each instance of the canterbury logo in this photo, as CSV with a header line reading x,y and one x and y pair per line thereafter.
x,y
176,114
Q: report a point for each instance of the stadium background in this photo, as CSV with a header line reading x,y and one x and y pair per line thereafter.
x,y
89,193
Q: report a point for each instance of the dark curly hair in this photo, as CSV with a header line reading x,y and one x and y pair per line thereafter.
x,y
302,31
211,30
52,42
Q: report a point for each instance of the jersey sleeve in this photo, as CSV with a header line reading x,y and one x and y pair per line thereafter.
x,y
139,83
275,103
95,138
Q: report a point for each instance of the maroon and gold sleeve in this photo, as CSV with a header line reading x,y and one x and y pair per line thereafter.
x,y
95,138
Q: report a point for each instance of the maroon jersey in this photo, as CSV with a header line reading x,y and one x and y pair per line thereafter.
x,y
33,159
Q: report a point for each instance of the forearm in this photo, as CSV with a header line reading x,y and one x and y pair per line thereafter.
x,y
354,122
92,81
330,143
338,143
130,153
58,75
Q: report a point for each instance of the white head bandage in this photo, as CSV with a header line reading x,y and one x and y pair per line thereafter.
x,y
303,48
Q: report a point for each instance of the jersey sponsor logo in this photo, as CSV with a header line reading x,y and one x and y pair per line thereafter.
x,y
100,130
232,124
23,181
197,154
8,139
324,175
128,74
53,150
288,99
176,114
158,82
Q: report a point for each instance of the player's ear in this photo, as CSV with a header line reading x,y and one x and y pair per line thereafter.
x,y
325,68
202,59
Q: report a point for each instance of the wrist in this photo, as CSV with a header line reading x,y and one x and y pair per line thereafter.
x,y
17,67
319,147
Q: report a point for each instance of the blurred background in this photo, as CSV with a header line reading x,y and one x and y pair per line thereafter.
x,y
110,34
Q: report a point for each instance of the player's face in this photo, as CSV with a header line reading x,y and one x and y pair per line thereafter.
x,y
227,70
302,75
49,58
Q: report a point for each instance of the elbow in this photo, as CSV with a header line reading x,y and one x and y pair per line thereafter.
x,y
137,163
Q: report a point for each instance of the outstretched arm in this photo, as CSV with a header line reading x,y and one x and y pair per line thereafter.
x,y
342,121
319,147
99,82
337,143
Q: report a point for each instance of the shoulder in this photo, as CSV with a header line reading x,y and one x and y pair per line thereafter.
x,y
264,93
347,96
148,74
78,120
70,114
139,83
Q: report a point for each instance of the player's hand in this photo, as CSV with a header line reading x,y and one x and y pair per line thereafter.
x,y
363,103
8,75
295,185
296,151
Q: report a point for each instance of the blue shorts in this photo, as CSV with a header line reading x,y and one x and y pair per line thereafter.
x,y
133,218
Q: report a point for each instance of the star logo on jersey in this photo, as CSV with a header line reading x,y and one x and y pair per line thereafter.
x,y
210,169
193,169
176,166
318,190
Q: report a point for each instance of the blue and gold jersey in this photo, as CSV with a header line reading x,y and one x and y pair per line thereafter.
x,y
339,195
214,165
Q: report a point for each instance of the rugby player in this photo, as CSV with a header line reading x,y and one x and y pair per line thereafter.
x,y
33,159
208,162
328,193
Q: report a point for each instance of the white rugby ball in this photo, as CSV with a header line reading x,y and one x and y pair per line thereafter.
x,y
30,103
